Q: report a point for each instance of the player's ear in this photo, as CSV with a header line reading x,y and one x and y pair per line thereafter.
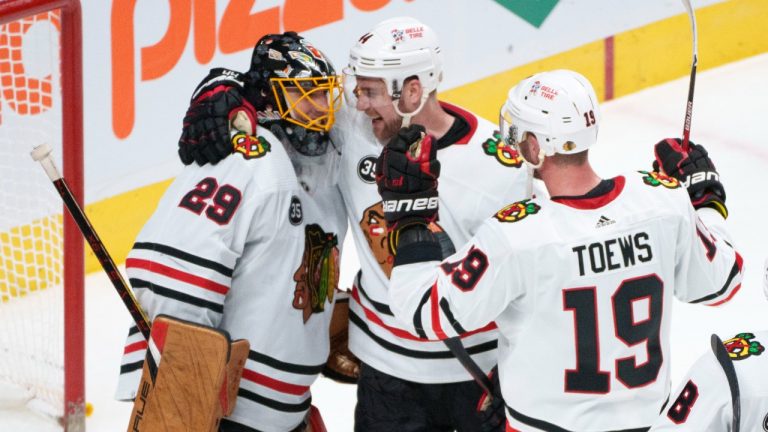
x,y
411,94
530,148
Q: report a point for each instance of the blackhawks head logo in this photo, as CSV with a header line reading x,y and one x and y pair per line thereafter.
x,y
653,178
742,346
374,228
517,211
318,274
250,147
503,152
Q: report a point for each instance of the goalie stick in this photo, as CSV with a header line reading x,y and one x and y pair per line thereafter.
x,y
42,154
692,82
160,410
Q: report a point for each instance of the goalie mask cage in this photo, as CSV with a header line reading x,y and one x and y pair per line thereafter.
x,y
41,251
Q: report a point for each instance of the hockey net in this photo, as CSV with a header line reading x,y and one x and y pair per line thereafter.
x,y
41,267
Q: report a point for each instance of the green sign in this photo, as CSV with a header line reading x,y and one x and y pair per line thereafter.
x,y
532,11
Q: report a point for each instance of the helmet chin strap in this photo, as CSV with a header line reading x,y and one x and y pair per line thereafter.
x,y
529,182
407,117
531,167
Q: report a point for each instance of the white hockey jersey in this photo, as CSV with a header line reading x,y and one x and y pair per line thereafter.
x,y
580,288
704,401
479,174
242,247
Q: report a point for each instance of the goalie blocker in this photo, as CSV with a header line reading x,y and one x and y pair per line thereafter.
x,y
190,378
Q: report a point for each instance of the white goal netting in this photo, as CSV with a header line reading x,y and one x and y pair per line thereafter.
x,y
31,234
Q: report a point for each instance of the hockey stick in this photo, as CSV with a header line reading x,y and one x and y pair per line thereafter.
x,y
692,83
42,154
457,348
730,373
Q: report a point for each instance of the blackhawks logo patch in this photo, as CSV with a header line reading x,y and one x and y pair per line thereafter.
x,y
250,147
653,178
374,228
318,274
504,153
517,211
742,346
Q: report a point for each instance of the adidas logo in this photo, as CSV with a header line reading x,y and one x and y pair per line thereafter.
x,y
604,221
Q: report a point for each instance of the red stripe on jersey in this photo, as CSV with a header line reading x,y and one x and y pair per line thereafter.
x,y
401,333
176,274
372,317
594,202
727,299
136,346
281,386
435,312
739,265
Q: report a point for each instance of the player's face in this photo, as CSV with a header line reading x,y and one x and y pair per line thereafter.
x,y
376,103
307,105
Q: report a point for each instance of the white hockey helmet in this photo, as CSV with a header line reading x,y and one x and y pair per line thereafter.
x,y
559,107
395,50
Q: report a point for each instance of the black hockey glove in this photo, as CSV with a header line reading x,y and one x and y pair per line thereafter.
x,y
694,170
217,101
491,408
406,174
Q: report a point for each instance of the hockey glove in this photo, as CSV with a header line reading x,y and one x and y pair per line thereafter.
x,y
217,104
406,174
490,408
694,170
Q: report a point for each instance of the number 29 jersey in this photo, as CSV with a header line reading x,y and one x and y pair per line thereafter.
x,y
243,247
581,291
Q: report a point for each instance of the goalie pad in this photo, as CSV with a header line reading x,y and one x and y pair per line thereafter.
x,y
190,378
315,421
341,365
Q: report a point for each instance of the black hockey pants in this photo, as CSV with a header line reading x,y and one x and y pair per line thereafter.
x,y
388,404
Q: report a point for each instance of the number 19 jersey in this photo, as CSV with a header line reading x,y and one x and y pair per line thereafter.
x,y
581,291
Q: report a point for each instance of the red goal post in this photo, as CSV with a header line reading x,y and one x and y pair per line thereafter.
x,y
18,93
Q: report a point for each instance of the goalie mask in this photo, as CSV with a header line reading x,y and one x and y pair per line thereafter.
x,y
558,107
297,91
395,50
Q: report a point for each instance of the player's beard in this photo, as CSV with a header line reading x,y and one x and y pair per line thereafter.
x,y
385,126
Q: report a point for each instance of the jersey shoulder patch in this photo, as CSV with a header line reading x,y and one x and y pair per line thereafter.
x,y
250,147
655,179
742,346
504,153
517,211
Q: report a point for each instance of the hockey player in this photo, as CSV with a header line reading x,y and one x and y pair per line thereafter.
x,y
392,79
579,284
251,245
725,390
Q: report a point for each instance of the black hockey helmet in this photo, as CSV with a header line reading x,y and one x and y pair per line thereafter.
x,y
287,70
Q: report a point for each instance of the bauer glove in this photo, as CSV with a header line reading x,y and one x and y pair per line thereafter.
x,y
694,170
217,105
